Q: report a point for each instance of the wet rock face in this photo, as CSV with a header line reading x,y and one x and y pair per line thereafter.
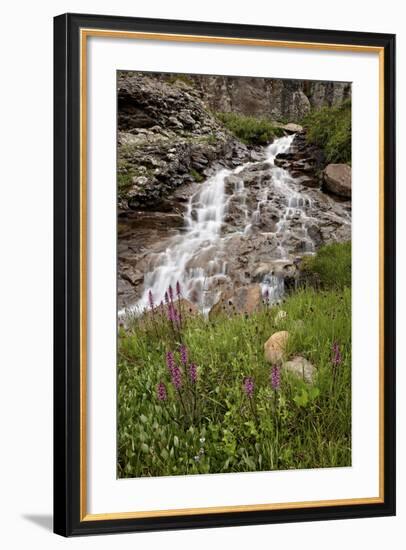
x,y
268,226
304,161
166,138
275,212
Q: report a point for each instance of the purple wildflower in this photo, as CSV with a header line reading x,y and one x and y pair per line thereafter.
x,y
193,373
177,377
249,386
276,377
266,295
170,291
166,298
162,307
171,313
170,361
178,289
183,354
161,392
151,300
336,358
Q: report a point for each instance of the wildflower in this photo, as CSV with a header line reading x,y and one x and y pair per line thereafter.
x,y
178,289
183,354
151,300
202,440
266,295
201,451
193,373
162,307
197,458
176,377
170,361
172,314
161,392
170,291
336,355
166,298
276,377
249,386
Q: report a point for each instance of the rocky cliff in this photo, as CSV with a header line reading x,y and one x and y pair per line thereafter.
x,y
268,208
277,99
166,137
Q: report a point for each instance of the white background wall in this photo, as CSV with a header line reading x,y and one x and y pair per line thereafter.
x,y
26,271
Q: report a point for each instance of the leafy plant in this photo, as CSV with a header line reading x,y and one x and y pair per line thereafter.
x,y
180,78
232,411
196,175
249,129
331,266
330,129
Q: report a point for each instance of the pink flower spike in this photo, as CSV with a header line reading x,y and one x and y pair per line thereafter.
x,y
249,386
161,392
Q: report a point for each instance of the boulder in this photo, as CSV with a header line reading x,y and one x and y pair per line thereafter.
x,y
274,347
337,179
183,306
292,128
246,299
301,367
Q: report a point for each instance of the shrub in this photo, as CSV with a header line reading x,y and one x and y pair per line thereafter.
x,y
330,129
250,130
331,266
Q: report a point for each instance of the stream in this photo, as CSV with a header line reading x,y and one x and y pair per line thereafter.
x,y
196,257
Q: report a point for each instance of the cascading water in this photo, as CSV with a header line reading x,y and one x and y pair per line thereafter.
x,y
296,202
195,257
181,261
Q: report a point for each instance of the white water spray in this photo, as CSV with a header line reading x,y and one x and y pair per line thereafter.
x,y
194,257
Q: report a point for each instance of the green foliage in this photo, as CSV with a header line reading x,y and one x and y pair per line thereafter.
x,y
330,129
124,180
249,129
331,266
213,426
196,176
180,79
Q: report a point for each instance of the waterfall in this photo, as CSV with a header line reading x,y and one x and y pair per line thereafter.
x,y
193,259
181,261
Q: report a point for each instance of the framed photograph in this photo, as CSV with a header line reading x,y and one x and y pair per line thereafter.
x,y
224,274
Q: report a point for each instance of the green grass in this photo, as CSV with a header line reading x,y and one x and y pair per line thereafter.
x,y
299,426
196,175
180,78
330,129
250,130
330,267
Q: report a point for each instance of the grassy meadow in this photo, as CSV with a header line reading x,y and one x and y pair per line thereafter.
x,y
197,395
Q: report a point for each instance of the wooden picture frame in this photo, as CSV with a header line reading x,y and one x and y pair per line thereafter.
x,y
71,32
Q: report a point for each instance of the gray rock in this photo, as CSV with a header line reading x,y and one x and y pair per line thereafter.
x,y
302,368
337,179
292,128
